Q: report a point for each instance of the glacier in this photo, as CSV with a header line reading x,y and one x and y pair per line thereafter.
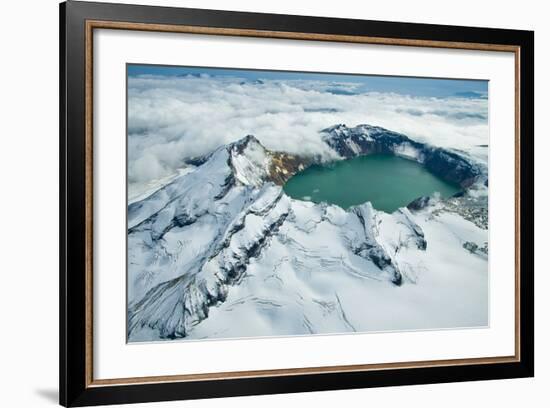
x,y
219,251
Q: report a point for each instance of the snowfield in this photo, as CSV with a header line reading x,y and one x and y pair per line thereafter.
x,y
220,251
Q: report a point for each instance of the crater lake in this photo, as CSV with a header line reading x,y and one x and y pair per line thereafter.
x,y
388,182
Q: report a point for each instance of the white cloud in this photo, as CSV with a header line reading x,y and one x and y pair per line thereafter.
x,y
174,118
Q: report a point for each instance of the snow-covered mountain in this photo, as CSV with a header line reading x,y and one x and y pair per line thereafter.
x,y
221,251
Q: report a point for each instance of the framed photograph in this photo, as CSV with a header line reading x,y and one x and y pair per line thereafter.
x,y
257,203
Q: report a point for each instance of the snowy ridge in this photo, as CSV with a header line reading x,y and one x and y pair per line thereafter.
x,y
174,307
203,205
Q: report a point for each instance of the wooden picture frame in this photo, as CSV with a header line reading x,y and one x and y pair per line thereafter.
x,y
78,20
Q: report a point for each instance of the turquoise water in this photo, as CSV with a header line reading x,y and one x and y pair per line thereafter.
x,y
388,182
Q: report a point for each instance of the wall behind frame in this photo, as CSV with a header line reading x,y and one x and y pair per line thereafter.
x,y
29,202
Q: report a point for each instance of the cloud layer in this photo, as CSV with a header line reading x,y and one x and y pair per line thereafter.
x,y
172,118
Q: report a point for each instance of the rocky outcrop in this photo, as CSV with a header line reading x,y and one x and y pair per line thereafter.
x,y
361,140
284,166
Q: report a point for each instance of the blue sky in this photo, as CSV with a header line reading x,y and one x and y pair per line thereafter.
x,y
425,87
